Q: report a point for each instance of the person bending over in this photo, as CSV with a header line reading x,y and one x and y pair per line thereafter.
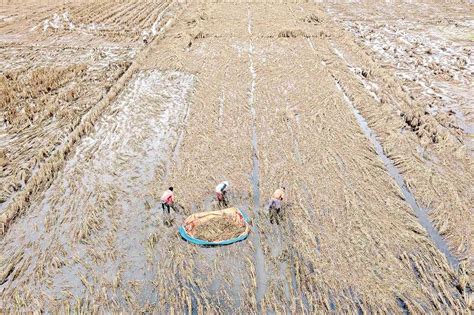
x,y
275,205
221,191
167,200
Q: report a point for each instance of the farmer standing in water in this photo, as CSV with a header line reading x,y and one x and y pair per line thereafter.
x,y
167,200
221,190
275,205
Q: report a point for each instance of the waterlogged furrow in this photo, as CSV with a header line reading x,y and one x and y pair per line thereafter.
x,y
391,168
394,172
255,175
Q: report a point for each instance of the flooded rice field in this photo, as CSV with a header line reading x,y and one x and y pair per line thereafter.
x,y
431,56
106,104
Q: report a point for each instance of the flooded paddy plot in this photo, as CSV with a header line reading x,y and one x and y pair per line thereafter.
x,y
435,158
216,146
302,114
50,80
262,95
40,106
431,54
90,229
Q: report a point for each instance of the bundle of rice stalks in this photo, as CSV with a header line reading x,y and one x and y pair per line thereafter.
x,y
218,229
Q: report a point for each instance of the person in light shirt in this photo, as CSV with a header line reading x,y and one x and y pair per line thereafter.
x,y
221,190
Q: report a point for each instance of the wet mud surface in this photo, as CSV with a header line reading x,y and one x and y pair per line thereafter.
x,y
431,55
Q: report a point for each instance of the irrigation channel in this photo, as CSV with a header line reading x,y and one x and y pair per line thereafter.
x,y
259,256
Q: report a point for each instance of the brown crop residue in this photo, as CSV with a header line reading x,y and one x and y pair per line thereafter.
x,y
39,107
418,73
105,104
218,229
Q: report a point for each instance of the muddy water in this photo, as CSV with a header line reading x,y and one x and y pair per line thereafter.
x,y
255,176
420,212
94,218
